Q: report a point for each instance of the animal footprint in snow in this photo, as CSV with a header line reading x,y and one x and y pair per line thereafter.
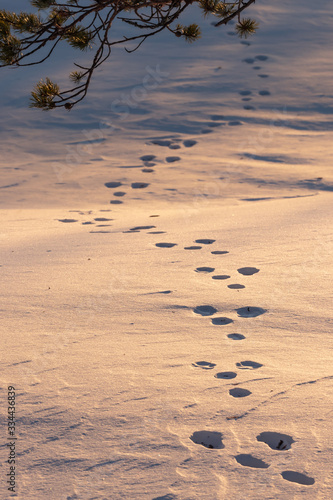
x,y
297,477
250,312
161,142
222,321
250,461
139,228
205,310
189,143
147,157
276,441
225,375
212,440
112,184
249,60
172,159
248,365
139,185
248,271
165,245
205,365
205,241
204,269
236,336
99,231
238,392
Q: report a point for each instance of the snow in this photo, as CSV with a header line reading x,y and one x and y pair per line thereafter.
x,y
128,385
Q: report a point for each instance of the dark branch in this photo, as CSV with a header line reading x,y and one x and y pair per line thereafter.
x,y
89,26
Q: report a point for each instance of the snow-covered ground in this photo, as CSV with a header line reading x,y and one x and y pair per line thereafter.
x,y
166,258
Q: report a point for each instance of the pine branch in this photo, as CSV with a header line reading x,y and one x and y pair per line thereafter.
x,y
246,27
44,94
28,39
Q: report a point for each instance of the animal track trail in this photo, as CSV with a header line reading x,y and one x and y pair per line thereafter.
x,y
279,442
172,143
89,222
113,185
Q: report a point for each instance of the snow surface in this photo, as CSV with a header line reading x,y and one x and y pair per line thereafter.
x,y
175,343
